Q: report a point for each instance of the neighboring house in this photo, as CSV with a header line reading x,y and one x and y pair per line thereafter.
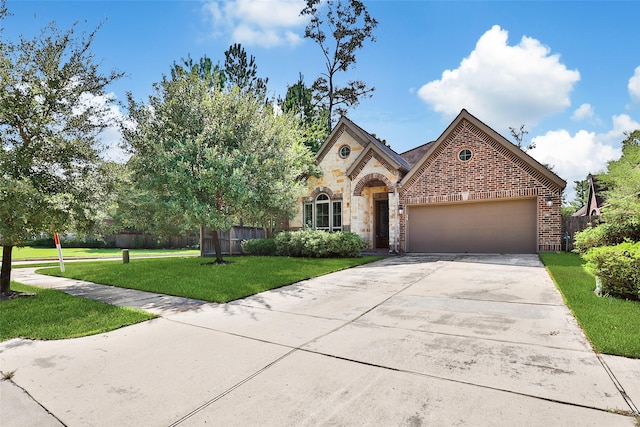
x,y
471,190
595,200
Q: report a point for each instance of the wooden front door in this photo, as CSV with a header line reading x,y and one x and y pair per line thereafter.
x,y
382,224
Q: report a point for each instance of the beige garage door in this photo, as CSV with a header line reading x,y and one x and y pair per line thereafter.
x,y
486,227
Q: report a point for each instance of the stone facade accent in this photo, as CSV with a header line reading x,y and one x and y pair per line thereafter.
x,y
497,170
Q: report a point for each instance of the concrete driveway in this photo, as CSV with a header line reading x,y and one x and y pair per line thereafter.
x,y
413,340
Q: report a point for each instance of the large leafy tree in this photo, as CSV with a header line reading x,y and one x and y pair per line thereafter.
x,y
622,179
209,155
340,28
52,176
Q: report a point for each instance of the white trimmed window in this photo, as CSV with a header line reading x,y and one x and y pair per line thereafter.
x,y
323,214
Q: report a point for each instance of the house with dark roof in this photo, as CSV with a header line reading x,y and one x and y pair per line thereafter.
x,y
470,190
595,199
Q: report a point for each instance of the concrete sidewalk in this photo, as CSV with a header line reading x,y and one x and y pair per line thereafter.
x,y
414,340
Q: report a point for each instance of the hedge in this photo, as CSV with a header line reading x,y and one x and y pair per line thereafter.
x,y
308,243
618,267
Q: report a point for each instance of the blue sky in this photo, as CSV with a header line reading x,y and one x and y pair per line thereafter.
x,y
569,71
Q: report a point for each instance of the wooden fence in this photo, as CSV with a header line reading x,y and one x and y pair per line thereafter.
x,y
570,226
230,240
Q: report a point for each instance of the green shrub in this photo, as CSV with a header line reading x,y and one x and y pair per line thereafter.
x,y
618,267
590,237
617,228
46,242
259,247
319,244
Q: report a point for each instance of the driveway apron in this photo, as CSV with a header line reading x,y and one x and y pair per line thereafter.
x,y
412,340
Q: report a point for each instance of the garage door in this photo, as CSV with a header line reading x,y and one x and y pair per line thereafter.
x,y
486,227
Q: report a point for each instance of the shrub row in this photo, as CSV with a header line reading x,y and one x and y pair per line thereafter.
x,y
618,267
75,242
607,234
308,243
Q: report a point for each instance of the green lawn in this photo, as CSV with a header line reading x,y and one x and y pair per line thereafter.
x,y
52,314
612,325
197,278
26,253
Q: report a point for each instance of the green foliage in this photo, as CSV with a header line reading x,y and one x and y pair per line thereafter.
x,y
340,28
204,157
75,242
241,71
591,237
53,106
319,244
620,220
259,247
610,324
618,267
196,278
51,314
299,102
582,192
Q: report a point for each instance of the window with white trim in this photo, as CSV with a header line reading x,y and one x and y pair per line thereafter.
x,y
323,214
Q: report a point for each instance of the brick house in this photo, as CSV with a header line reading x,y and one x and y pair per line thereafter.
x,y
471,190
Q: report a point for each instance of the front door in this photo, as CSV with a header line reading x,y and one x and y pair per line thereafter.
x,y
382,224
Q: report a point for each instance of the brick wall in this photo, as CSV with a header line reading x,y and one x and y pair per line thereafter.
x,y
494,172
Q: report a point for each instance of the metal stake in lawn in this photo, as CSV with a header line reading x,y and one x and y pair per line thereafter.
x,y
57,240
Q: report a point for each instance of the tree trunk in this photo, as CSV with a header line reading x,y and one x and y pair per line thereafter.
x,y
216,246
5,275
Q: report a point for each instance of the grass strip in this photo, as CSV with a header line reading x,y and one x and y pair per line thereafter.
x,y
198,278
612,325
31,253
51,315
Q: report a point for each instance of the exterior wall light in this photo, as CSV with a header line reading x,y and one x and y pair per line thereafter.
x,y
549,201
400,209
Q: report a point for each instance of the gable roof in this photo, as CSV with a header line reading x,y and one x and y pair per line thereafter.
x,y
504,143
595,200
366,140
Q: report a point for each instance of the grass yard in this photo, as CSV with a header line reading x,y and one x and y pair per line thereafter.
x,y
196,278
29,253
612,325
52,314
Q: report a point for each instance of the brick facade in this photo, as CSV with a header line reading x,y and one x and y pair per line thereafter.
x,y
496,171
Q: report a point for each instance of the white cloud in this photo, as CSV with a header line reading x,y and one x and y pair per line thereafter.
x,y
585,111
634,85
265,23
505,85
575,156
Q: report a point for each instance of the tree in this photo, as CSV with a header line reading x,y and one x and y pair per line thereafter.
x,y
620,219
51,172
582,192
209,156
622,181
349,24
242,71
204,69
518,135
299,102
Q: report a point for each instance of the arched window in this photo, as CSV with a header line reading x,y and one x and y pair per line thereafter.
x,y
323,214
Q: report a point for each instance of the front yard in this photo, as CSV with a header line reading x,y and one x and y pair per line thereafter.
x,y
611,325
